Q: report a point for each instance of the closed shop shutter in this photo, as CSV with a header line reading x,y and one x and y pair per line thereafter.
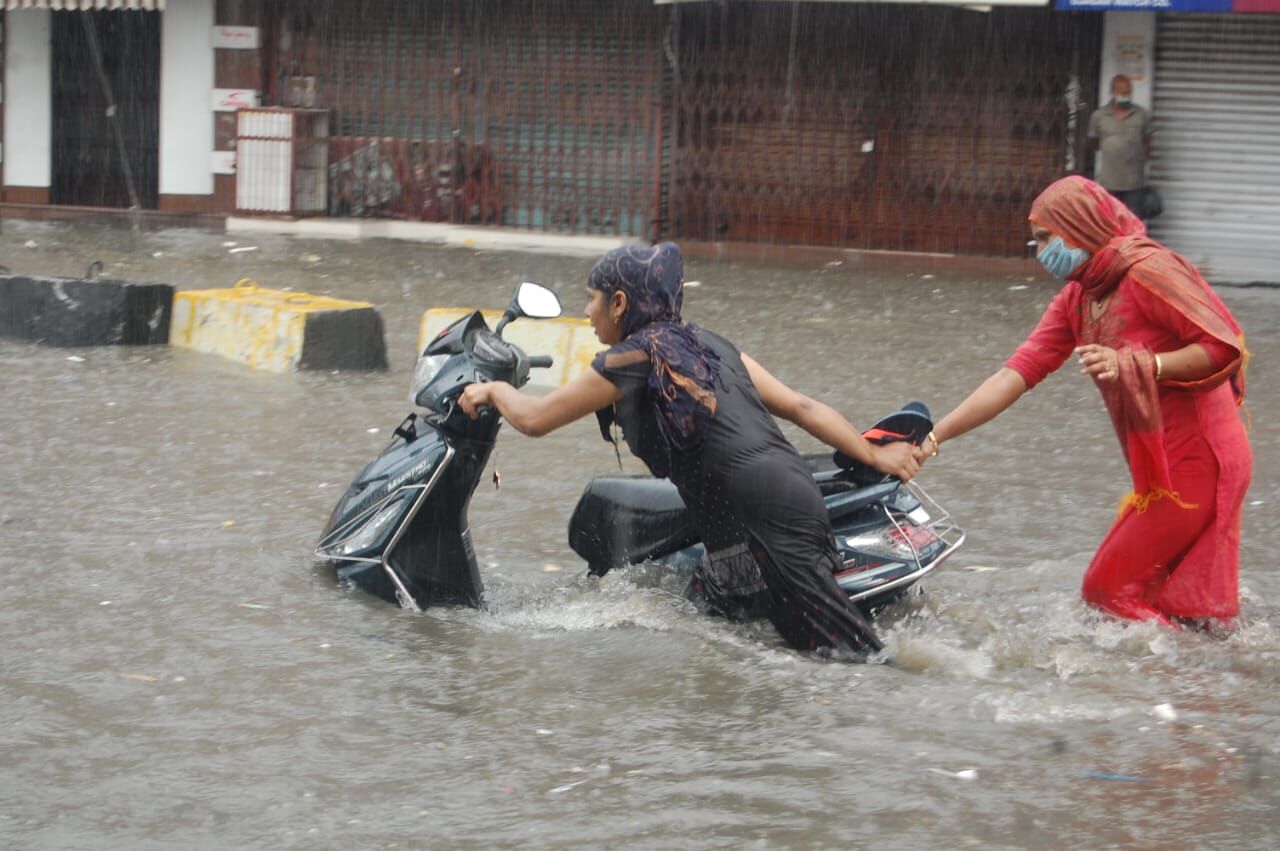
x,y
538,114
1215,159
873,125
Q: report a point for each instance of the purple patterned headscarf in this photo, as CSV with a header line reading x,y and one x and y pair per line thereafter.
x,y
684,371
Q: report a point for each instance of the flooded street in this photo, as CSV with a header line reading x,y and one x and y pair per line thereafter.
x,y
179,672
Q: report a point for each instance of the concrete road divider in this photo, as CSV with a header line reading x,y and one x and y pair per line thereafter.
x,y
83,312
570,342
277,330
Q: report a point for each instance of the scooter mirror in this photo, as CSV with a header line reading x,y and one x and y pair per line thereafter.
x,y
537,301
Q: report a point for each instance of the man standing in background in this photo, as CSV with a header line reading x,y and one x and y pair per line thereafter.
x,y
1121,134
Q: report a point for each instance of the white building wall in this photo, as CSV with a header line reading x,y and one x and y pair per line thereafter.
x,y
186,86
28,99
1129,48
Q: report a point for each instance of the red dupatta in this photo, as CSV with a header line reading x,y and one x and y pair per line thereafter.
x,y
1087,216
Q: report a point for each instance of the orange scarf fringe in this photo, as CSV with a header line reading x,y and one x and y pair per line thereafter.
x,y
1141,503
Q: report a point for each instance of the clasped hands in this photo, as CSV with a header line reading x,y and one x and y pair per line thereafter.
x,y
896,459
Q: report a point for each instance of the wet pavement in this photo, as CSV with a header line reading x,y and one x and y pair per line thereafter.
x,y
179,672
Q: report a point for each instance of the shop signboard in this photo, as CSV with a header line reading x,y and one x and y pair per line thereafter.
x,y
1218,6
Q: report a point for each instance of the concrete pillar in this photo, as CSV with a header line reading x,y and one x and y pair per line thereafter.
x,y
28,106
186,113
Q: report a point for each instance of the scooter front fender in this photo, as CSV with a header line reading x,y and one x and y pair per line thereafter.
x,y
400,531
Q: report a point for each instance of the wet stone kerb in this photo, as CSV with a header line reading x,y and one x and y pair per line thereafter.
x,y
279,330
82,312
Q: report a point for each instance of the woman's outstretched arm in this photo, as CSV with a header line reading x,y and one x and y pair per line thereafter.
x,y
828,425
538,415
992,397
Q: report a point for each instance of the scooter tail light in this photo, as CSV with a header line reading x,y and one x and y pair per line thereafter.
x,y
894,542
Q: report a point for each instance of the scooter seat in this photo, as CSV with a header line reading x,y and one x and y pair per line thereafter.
x,y
621,520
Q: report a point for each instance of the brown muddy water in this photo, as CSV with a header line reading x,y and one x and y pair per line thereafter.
x,y
179,672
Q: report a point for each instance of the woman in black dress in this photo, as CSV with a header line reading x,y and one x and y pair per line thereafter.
x,y
697,411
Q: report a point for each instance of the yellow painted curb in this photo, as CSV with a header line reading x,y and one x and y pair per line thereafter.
x,y
570,342
278,331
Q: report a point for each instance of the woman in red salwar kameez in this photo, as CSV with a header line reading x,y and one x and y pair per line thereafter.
x,y
1168,358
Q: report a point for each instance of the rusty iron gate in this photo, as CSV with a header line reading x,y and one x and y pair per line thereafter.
x,y
873,125
862,125
536,114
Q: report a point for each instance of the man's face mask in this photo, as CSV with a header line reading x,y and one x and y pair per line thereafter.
x,y
1123,100
1059,260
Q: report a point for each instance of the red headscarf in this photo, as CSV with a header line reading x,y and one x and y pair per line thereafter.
x,y
1087,216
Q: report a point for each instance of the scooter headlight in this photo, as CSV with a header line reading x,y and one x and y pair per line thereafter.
x,y
372,532
427,368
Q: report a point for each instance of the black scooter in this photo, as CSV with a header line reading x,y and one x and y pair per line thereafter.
x,y
890,535
401,532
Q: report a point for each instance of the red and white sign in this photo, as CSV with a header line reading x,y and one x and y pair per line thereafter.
x,y
222,162
235,38
229,100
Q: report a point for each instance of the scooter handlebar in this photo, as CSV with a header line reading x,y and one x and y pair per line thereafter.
x,y
540,361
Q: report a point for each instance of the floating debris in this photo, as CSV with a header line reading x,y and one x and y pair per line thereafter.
x,y
1165,712
242,249
142,678
566,787
227,524
1122,778
75,358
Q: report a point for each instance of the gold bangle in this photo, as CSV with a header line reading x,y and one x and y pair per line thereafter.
x,y
936,446
1159,367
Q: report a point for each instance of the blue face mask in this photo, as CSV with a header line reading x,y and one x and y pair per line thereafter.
x,y
1061,261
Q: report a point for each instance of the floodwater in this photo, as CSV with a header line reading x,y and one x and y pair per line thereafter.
x,y
178,671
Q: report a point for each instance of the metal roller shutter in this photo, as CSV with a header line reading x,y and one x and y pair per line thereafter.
x,y
873,125
85,5
537,114
1215,159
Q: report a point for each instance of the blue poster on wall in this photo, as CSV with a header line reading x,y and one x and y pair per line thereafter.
x,y
1144,5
